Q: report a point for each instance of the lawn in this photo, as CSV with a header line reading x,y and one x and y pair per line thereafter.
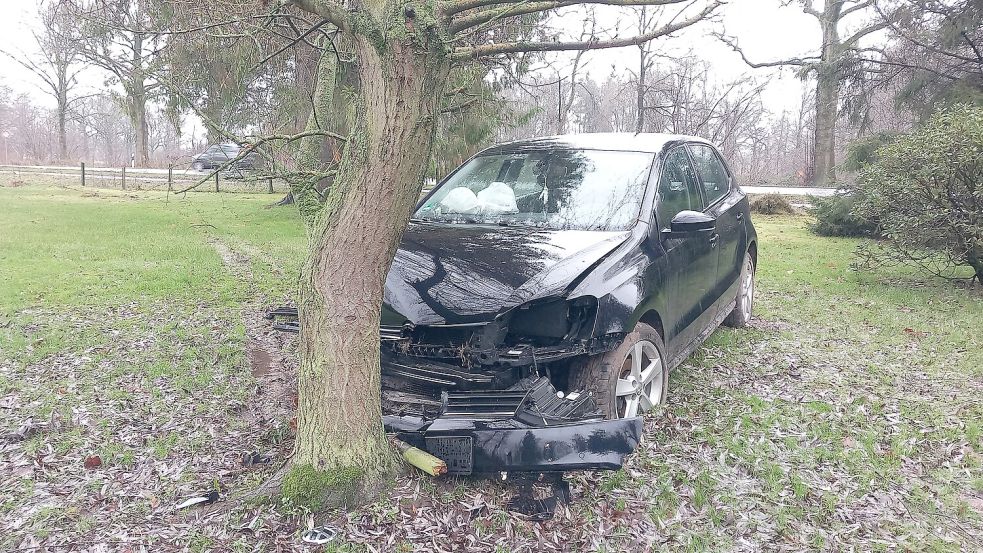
x,y
132,343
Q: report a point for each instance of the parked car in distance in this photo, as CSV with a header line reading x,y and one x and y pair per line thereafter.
x,y
543,291
217,155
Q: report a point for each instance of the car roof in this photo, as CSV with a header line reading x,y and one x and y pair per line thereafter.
x,y
618,141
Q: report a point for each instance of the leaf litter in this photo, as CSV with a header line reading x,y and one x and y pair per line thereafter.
x,y
783,442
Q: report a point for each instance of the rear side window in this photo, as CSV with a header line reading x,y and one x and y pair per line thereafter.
x,y
678,190
716,181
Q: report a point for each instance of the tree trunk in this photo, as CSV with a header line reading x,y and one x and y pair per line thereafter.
x,y
62,108
62,133
827,102
138,102
640,91
140,128
827,98
341,449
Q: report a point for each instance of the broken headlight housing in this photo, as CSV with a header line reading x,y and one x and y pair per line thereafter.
x,y
554,319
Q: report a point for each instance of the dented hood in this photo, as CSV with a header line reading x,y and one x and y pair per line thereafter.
x,y
461,274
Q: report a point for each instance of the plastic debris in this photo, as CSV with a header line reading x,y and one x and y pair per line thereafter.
x,y
254,458
320,535
207,499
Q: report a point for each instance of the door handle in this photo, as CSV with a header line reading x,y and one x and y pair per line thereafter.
x,y
713,240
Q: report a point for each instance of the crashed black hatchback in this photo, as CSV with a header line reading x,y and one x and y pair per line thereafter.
x,y
544,289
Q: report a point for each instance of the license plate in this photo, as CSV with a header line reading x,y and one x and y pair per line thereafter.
x,y
456,451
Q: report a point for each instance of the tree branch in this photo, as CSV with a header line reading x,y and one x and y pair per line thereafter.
x,y
334,13
487,50
856,8
522,8
791,61
849,42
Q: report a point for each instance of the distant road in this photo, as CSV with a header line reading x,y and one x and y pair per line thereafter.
x,y
789,190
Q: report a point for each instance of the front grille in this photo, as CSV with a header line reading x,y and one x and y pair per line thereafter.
x,y
484,404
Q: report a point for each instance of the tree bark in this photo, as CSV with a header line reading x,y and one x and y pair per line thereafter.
x,y
62,131
353,241
827,101
640,91
138,103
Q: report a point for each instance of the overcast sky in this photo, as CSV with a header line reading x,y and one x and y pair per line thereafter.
x,y
765,30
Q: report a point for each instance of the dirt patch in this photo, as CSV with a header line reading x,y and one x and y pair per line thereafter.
x,y
235,261
259,359
272,359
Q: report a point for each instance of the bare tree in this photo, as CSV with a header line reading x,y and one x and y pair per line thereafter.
x,y
116,36
835,58
56,63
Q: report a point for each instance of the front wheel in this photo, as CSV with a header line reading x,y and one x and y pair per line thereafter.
x,y
628,380
741,315
198,166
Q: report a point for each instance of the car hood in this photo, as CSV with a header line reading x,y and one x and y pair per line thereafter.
x,y
467,274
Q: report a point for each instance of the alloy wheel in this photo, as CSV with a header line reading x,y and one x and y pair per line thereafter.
x,y
642,382
747,289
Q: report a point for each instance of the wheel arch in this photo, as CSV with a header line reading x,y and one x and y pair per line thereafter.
x,y
654,320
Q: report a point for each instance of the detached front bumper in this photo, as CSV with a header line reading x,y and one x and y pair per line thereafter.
x,y
524,430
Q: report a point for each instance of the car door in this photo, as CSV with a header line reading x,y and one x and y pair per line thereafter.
x,y
690,258
723,203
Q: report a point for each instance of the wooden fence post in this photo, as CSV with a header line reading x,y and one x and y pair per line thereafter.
x,y
123,181
216,181
83,173
269,185
170,169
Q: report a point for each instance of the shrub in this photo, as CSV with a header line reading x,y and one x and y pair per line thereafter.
x,y
835,217
926,189
772,204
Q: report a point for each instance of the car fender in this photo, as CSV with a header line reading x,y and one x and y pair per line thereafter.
x,y
627,284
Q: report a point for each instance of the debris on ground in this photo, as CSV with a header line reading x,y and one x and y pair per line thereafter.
x,y
206,499
320,535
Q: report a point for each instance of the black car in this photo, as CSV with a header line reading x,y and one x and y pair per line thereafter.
x,y
543,291
217,155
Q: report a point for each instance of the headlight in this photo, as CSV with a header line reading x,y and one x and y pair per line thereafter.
x,y
556,318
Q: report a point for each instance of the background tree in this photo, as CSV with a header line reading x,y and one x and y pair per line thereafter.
x,y
123,37
936,55
837,58
56,64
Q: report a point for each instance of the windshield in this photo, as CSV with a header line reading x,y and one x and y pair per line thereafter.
x,y
557,189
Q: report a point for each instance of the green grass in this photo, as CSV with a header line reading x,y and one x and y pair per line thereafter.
x,y
74,246
847,418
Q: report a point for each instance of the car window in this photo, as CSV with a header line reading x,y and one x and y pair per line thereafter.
x,y
678,189
213,150
716,181
554,189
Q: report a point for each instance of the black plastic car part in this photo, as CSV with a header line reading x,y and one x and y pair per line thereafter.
x,y
491,418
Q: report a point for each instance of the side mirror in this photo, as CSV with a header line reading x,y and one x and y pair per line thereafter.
x,y
686,222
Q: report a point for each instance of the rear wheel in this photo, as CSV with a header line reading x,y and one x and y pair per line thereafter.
x,y
628,380
741,315
198,166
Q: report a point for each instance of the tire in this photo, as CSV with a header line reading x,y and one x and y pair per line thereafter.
x,y
599,375
198,166
741,315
